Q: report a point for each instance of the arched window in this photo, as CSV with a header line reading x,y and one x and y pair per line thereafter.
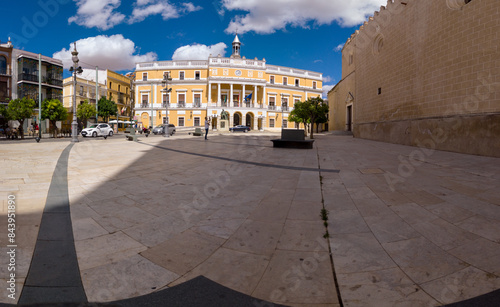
x,y
3,65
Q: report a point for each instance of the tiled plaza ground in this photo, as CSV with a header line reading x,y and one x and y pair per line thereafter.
x,y
407,226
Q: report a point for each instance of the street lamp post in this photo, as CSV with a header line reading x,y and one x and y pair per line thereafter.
x,y
75,69
282,121
166,78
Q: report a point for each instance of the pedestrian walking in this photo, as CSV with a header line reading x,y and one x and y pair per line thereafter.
x,y
207,125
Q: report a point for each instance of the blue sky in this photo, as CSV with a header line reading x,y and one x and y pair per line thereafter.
x,y
114,34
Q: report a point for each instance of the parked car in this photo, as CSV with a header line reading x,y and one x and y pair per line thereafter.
x,y
161,128
98,130
240,128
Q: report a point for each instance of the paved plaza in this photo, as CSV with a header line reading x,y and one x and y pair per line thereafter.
x,y
113,220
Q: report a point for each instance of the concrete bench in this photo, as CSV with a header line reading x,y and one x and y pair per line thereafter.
x,y
131,136
197,132
293,138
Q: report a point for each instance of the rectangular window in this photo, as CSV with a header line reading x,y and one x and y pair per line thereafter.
x,y
144,101
271,123
197,121
197,75
181,122
271,79
285,103
81,90
144,76
166,100
314,84
181,75
272,103
182,100
197,100
285,81
297,82
285,123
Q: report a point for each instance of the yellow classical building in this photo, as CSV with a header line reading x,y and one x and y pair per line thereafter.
x,y
252,92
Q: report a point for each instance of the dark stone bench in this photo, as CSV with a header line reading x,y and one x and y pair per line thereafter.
x,y
293,138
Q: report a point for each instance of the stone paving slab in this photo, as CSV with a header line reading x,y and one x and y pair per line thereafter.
x,y
151,215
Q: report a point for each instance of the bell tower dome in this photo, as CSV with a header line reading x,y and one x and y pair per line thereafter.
x,y
236,47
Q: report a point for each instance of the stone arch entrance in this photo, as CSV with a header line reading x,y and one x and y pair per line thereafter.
x,y
249,120
237,119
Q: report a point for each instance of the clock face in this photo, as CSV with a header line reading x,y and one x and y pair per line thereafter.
x,y
238,72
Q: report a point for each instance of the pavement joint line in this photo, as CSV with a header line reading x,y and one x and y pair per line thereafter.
x,y
332,265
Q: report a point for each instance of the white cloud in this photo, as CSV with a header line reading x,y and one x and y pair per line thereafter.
x,y
339,48
199,52
146,8
266,16
108,52
326,89
327,79
103,15
97,13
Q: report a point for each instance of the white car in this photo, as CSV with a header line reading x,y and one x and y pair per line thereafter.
x,y
98,130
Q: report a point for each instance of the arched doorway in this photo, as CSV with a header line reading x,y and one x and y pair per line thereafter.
x,y
214,122
145,119
249,120
237,119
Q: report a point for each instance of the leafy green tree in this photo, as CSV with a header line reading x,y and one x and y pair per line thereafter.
x,y
20,109
85,111
317,108
106,108
322,115
309,111
4,112
53,110
300,113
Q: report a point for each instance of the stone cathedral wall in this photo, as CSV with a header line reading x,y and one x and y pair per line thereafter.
x,y
427,73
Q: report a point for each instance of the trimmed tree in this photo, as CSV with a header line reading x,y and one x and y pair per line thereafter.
x,y
20,109
53,110
85,111
309,111
4,112
106,108
299,114
321,115
316,109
